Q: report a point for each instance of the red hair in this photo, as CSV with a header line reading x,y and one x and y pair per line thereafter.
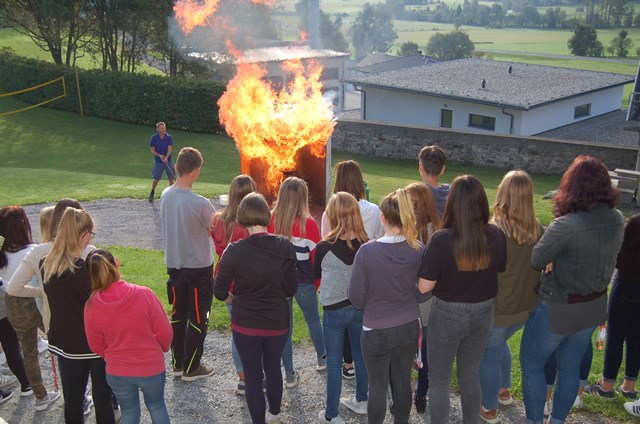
x,y
585,185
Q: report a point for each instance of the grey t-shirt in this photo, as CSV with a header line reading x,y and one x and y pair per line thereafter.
x,y
186,218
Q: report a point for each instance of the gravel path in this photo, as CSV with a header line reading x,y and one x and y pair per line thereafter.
x,y
127,222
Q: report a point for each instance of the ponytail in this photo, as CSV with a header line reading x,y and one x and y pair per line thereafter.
x,y
103,271
398,212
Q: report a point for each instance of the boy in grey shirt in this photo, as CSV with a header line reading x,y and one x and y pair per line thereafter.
x,y
186,219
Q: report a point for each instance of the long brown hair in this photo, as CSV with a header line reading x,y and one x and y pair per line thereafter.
x,y
345,219
424,206
240,187
513,209
16,230
66,247
349,179
467,214
397,210
103,271
585,185
46,222
292,202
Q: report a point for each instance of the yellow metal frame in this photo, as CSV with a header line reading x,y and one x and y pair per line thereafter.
x,y
64,93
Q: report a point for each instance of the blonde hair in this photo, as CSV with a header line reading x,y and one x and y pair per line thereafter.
x,y
345,220
66,247
513,209
240,187
424,207
398,212
292,202
46,221
103,271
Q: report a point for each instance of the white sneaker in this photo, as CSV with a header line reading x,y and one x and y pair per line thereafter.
x,y
3,358
270,418
578,403
5,371
547,408
633,408
7,380
357,407
42,404
87,404
323,420
43,345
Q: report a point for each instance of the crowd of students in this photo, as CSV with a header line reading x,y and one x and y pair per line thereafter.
x,y
429,278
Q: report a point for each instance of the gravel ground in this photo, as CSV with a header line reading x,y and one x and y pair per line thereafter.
x,y
128,222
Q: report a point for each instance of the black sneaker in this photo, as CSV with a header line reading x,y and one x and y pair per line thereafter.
x,y
348,373
629,395
421,403
151,195
596,390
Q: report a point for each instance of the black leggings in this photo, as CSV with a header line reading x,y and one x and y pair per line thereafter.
x,y
260,353
11,347
623,326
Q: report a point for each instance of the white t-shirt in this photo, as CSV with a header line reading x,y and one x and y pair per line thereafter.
x,y
370,213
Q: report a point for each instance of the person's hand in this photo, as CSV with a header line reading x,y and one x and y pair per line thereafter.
x,y
163,158
548,268
229,299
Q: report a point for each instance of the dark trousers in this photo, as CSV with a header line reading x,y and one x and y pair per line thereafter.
x,y
423,373
347,357
11,347
190,291
259,353
74,374
623,326
390,352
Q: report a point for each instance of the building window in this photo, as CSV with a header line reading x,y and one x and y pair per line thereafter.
x,y
481,121
446,118
582,110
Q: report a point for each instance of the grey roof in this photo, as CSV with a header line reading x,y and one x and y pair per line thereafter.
x,y
528,86
602,129
396,63
374,58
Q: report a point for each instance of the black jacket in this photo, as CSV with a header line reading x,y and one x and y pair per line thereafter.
x,y
263,270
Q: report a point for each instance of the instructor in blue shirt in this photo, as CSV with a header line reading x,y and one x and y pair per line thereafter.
x,y
161,145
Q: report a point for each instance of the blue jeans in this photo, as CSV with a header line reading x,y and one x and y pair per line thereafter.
x,y
457,331
495,368
234,350
127,391
307,299
551,368
335,323
538,344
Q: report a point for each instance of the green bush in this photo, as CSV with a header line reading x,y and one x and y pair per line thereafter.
x,y
189,104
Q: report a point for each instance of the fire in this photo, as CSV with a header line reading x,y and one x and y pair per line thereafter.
x,y
192,13
275,124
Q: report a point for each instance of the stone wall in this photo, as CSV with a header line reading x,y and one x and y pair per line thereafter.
x,y
533,154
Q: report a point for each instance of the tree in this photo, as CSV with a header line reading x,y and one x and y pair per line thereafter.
x,y
372,31
408,48
454,45
621,44
584,41
56,26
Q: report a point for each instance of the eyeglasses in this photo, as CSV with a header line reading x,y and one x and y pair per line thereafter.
x,y
92,234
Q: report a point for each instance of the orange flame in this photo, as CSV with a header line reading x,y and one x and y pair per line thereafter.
x,y
275,125
192,13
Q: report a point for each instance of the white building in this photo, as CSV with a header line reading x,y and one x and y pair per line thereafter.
x,y
488,95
